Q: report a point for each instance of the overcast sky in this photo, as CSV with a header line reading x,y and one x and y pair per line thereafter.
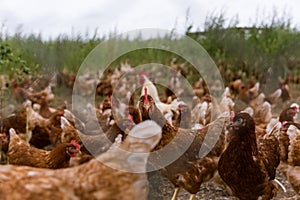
x,y
62,16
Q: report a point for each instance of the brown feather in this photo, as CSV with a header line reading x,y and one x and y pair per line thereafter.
x,y
20,153
247,168
191,168
89,181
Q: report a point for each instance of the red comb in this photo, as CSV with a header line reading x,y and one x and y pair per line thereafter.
x,y
284,123
75,144
232,114
146,96
142,73
295,108
179,106
130,118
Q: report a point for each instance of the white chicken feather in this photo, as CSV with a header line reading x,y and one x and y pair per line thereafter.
x,y
152,91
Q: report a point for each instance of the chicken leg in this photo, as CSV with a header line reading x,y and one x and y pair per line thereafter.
x,y
193,197
177,189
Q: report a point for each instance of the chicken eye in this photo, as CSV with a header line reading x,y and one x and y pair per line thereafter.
x,y
240,120
71,149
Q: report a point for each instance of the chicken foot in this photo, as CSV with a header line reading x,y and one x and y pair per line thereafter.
x,y
174,197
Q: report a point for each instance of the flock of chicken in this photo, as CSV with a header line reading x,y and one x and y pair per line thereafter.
x,y
236,141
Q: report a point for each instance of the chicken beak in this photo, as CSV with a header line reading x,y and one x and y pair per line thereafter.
x,y
235,125
3,138
146,102
72,153
147,106
230,125
76,145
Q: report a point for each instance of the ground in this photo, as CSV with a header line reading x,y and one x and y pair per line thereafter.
x,y
162,189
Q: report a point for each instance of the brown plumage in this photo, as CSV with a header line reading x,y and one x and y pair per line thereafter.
x,y
93,144
294,147
20,153
193,168
235,85
18,93
106,103
54,120
4,141
35,122
104,120
35,119
40,137
286,117
80,159
100,143
65,79
75,121
189,170
286,93
284,142
274,97
104,88
248,167
36,97
55,135
262,114
288,114
294,178
293,167
149,111
184,117
16,121
69,132
21,94
3,147
45,110
135,114
243,93
108,179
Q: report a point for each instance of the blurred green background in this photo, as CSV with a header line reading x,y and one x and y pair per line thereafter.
x,y
268,43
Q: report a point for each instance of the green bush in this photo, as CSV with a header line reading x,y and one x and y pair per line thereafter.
x,y
271,43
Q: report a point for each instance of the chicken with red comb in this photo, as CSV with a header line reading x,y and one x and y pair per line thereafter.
x,y
20,153
72,152
288,114
112,178
248,166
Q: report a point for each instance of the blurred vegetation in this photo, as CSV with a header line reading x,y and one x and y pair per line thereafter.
x,y
269,43
9,62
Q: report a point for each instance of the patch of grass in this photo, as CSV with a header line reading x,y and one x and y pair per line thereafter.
x,y
269,43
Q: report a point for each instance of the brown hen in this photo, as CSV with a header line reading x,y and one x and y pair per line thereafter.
x,y
191,165
293,168
20,153
248,167
116,174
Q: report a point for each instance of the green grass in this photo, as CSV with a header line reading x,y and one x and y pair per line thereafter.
x,y
272,42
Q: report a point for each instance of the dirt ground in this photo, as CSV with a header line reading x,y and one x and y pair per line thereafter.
x,y
161,188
